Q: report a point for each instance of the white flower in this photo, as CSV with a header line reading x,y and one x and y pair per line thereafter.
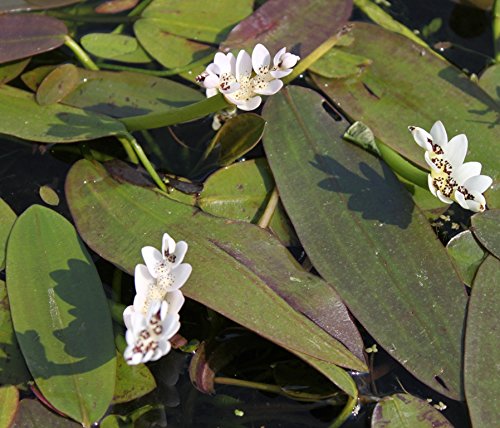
x,y
283,63
264,82
451,179
148,335
220,75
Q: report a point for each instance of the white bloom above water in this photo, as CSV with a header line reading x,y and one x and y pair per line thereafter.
x,y
451,179
153,318
243,79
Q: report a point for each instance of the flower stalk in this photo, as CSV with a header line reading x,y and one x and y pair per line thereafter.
x,y
82,56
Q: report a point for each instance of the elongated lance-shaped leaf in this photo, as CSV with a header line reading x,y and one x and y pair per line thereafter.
x,y
60,315
239,269
364,235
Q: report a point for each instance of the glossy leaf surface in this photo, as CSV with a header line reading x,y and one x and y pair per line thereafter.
x,y
399,89
404,410
23,117
116,47
338,64
481,346
8,218
361,231
239,270
467,254
22,36
486,228
11,70
57,84
65,332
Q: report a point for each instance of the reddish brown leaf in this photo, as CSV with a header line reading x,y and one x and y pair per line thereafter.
x,y
116,6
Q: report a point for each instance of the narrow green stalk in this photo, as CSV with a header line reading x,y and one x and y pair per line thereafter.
x,y
80,54
265,219
134,12
177,115
144,160
116,310
345,413
127,146
496,29
402,167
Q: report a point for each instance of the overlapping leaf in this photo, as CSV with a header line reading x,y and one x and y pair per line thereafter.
x,y
362,233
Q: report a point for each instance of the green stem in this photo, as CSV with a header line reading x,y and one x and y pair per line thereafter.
x,y
144,160
134,12
401,166
265,219
80,54
127,146
177,115
496,29
116,310
345,413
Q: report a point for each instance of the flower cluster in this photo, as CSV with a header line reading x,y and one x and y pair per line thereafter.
x,y
153,318
451,179
243,79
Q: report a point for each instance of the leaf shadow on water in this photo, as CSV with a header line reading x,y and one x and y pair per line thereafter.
x,y
86,338
376,197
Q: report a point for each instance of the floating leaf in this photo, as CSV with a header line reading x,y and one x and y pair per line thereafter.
x,y
399,89
116,47
23,117
8,218
485,228
9,400
338,64
489,81
404,410
33,414
27,5
13,369
11,70
65,332
238,136
123,94
241,270
131,381
298,31
467,255
116,6
57,84
481,346
194,20
241,192
26,35
361,231
49,195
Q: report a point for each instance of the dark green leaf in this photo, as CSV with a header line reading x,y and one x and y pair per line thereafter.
x,y
131,381
13,369
399,90
23,117
33,414
116,47
8,218
362,233
9,400
65,332
404,410
482,385
467,255
26,35
298,31
239,269
486,228
57,84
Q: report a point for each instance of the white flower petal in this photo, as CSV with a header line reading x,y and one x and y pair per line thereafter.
x,y
243,65
171,325
127,316
466,171
164,346
422,137
268,88
142,279
261,58
279,74
232,63
147,356
478,183
140,301
443,198
431,164
175,300
230,87
289,60
277,57
430,183
223,62
438,134
211,92
456,150
459,197
180,275
180,251
211,81
250,104
213,68
151,257
478,204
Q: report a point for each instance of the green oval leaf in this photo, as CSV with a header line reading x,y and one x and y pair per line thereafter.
x,y
131,381
339,64
49,195
486,230
362,231
194,20
23,117
404,410
467,255
33,414
57,84
26,35
116,47
65,332
399,89
11,70
8,218
13,370
481,346
9,400
239,269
